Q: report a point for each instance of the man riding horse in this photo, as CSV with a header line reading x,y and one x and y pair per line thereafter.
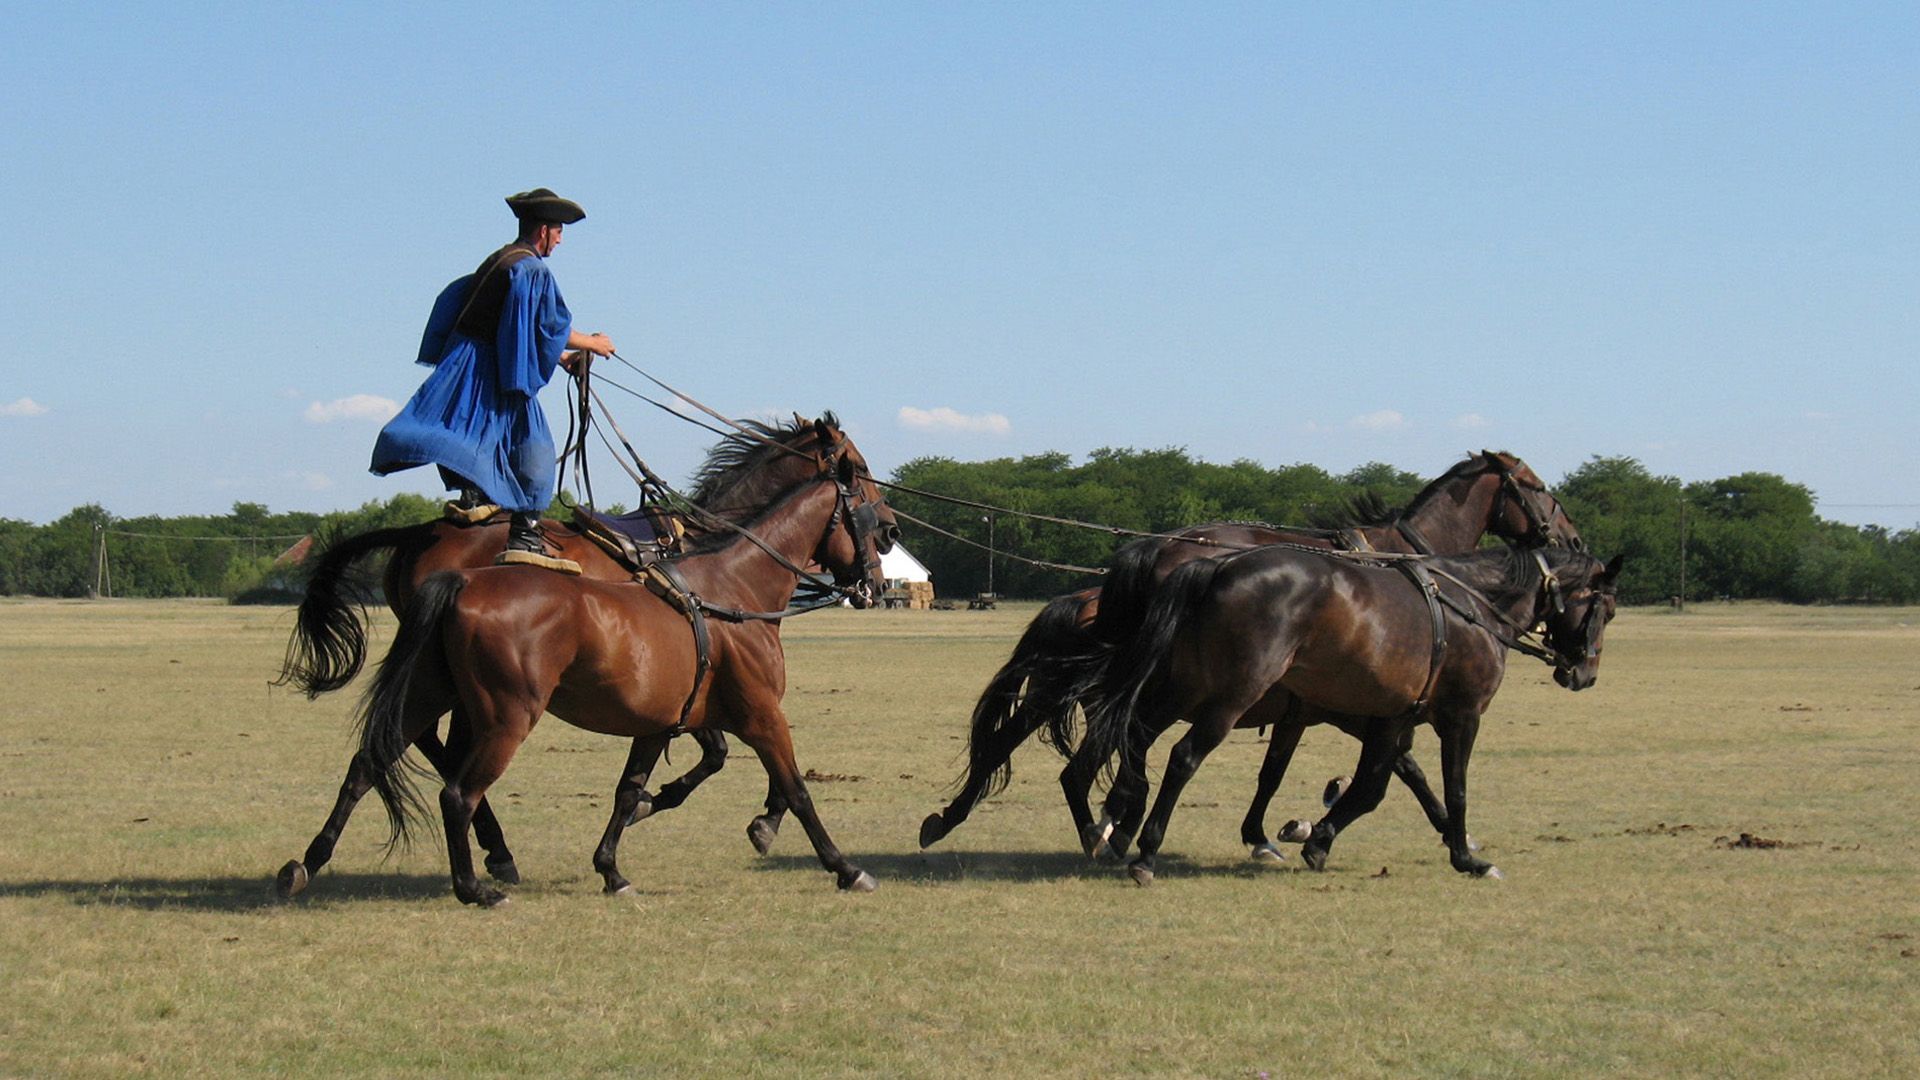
x,y
493,340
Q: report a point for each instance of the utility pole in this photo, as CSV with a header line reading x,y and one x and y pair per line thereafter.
x,y
988,518
1683,552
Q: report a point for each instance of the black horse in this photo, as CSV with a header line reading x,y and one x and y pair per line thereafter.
x,y
1401,641
1066,650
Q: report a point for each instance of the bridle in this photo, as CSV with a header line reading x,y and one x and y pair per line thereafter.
x,y
862,516
1539,525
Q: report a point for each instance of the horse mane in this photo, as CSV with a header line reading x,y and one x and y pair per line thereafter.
x,y
738,457
1496,573
1363,510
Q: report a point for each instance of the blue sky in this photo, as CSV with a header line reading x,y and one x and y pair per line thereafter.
x,y
1329,234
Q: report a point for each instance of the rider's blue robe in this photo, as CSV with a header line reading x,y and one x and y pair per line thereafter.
x,y
475,415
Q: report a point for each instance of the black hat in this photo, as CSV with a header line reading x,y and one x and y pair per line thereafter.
x,y
541,204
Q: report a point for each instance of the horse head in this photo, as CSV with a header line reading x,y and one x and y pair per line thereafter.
x,y
863,526
1581,603
1526,512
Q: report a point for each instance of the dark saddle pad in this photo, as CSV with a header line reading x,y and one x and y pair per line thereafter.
x,y
636,539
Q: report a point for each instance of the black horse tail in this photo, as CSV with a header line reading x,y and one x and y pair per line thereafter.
x,y
384,714
1004,716
1138,668
329,642
1128,589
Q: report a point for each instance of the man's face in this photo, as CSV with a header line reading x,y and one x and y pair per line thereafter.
x,y
548,238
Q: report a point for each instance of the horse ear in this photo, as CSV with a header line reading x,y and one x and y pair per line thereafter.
x,y
1612,572
821,431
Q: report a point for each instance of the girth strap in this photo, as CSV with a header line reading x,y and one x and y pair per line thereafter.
x,y
1416,572
663,580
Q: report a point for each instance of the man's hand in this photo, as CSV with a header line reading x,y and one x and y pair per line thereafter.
x,y
598,344
576,362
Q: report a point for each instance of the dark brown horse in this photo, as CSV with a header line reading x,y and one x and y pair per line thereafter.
x,y
1426,642
504,644
328,645
1066,648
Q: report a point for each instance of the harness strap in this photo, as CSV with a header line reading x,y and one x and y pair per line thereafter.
x,y
1416,572
1413,536
664,580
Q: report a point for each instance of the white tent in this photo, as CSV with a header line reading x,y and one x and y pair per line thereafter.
x,y
900,565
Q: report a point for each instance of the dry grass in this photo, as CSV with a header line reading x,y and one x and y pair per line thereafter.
x,y
150,783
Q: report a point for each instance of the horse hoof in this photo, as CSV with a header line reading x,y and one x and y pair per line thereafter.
x,y
1142,875
619,889
761,835
1096,841
931,830
1336,787
1296,831
292,880
1315,860
504,872
861,881
1493,873
1266,852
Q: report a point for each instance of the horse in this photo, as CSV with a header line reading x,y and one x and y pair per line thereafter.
x,y
1064,651
503,644
1403,642
327,647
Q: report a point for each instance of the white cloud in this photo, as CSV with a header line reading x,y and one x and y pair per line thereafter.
x,y
26,406
1472,421
1382,420
945,419
314,481
357,407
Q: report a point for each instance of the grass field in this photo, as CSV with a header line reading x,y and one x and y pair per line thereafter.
x,y
151,783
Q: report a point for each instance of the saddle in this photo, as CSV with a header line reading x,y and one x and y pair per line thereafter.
x,y
636,540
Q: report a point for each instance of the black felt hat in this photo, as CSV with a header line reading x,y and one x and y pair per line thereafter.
x,y
541,204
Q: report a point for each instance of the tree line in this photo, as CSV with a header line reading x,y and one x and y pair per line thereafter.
x,y
1751,536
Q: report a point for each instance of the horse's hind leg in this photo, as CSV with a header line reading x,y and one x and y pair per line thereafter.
x,y
1273,769
1210,727
486,828
492,749
295,876
629,805
999,749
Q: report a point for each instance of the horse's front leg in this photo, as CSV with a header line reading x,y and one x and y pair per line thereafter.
x,y
1457,734
1410,774
1386,739
629,805
764,829
765,730
713,758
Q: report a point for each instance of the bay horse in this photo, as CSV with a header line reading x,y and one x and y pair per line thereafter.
x,y
1065,650
1425,642
504,644
327,647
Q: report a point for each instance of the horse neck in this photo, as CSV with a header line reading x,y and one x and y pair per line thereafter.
x,y
740,572
1452,519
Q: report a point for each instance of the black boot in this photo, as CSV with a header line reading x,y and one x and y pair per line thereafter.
x,y
526,545
472,507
